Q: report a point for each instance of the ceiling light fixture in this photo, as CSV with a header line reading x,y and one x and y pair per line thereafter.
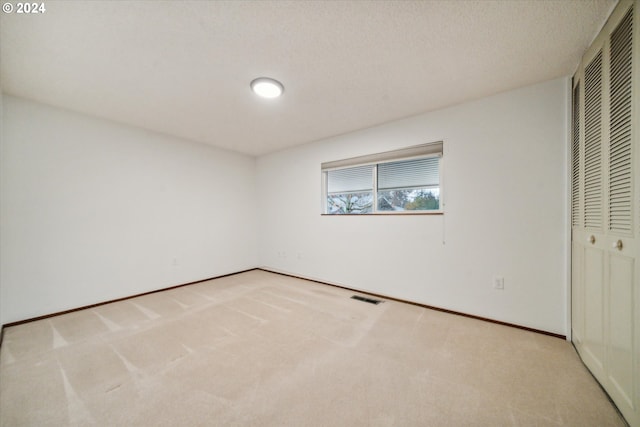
x,y
266,87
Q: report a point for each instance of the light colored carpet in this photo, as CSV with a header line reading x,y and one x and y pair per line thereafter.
x,y
260,349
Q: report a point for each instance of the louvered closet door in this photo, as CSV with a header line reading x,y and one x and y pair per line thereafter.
x,y
622,253
590,240
604,217
578,244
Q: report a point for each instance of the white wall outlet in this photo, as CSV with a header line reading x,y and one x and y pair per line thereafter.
x,y
498,282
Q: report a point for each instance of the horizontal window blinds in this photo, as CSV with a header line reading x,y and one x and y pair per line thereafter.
x,y
350,180
423,150
409,174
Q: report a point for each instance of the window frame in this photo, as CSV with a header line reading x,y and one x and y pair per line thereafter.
x,y
422,151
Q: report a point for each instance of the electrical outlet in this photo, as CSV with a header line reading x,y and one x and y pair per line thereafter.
x,y
498,282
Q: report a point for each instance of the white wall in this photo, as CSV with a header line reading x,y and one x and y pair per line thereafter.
x,y
93,211
505,214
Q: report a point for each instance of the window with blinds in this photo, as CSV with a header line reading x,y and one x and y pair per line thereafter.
x,y
400,181
350,190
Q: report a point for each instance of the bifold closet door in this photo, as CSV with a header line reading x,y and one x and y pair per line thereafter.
x,y
622,254
605,200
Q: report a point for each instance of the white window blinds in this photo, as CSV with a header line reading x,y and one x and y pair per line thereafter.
x,y
409,174
350,180
423,150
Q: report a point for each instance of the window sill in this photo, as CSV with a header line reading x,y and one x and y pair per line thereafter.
x,y
389,214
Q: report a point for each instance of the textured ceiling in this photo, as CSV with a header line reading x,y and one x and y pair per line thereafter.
x,y
183,67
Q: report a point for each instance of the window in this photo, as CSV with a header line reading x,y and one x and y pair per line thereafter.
x,y
401,181
350,190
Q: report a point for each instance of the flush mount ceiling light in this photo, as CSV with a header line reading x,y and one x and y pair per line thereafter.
x,y
266,87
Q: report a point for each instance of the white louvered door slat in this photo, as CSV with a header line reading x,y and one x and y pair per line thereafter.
x,y
576,219
593,144
620,191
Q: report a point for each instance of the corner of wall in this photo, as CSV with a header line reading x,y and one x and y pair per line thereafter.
x,y
567,185
113,210
1,216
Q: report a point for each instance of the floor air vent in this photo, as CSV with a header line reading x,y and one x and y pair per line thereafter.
x,y
365,299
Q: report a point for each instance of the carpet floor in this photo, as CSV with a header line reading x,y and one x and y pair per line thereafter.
x,y
261,349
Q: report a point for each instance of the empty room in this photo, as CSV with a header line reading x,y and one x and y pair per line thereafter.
x,y
319,213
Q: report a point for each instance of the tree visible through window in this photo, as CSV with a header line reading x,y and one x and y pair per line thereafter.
x,y
350,203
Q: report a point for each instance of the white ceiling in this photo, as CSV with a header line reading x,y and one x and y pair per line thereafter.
x,y
183,67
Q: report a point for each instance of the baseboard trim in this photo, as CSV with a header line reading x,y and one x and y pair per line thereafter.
x,y
430,307
98,304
